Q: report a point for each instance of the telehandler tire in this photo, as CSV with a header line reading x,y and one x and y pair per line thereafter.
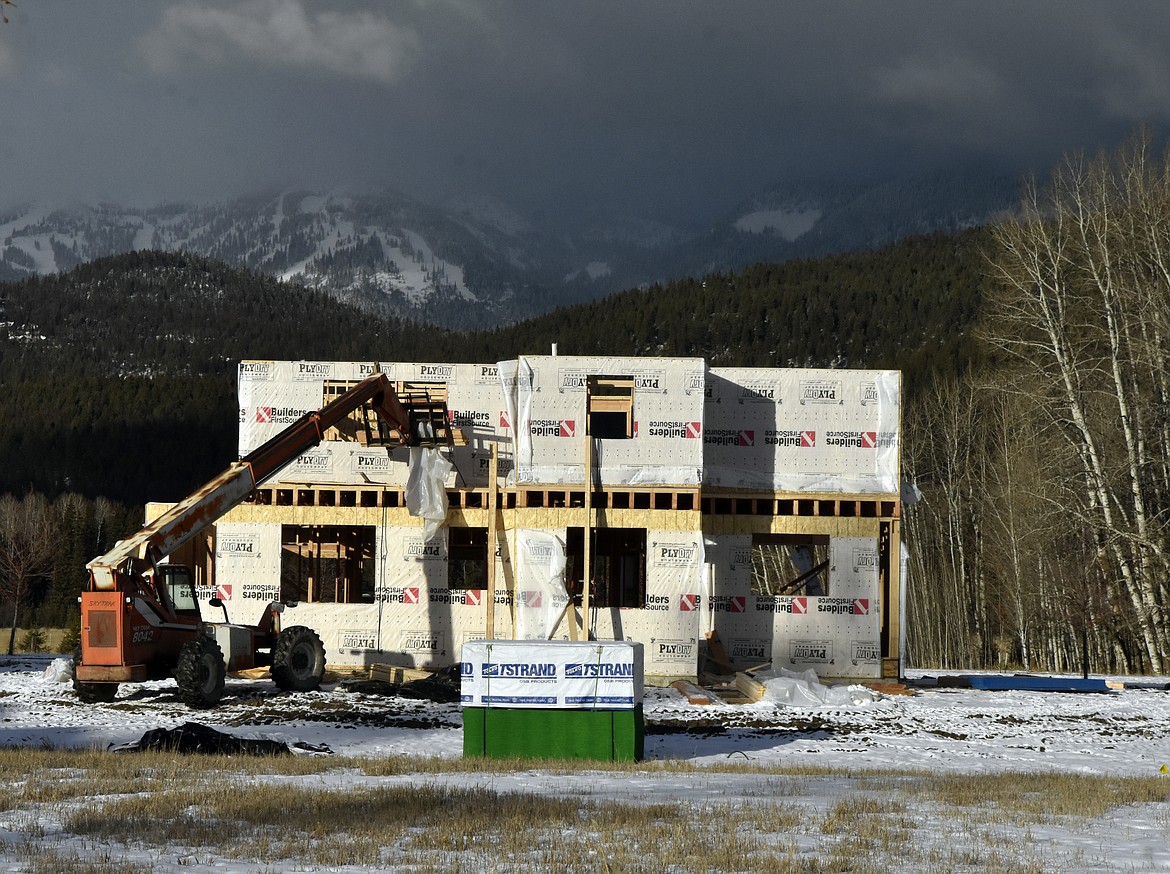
x,y
298,660
200,672
91,693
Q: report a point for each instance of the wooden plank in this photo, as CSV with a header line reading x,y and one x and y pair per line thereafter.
x,y
492,544
731,695
252,673
587,570
752,688
693,693
887,687
396,674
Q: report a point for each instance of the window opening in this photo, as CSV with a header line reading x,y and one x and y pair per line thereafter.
x,y
618,566
611,407
327,564
467,558
787,564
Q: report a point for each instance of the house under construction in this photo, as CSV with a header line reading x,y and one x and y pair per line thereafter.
x,y
742,515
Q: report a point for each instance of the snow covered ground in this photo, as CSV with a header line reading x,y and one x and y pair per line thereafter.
x,y
936,729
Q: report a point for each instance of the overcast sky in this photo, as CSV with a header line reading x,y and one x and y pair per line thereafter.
x,y
672,109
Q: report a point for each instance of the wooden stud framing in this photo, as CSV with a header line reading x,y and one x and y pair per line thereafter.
x,y
587,571
493,518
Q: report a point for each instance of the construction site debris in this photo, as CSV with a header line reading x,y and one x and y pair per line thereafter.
x,y
191,737
395,674
694,694
442,687
752,688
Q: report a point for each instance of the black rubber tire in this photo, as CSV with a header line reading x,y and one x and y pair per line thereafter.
x,y
91,693
200,673
298,660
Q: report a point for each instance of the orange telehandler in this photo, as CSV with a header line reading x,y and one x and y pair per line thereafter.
x,y
140,618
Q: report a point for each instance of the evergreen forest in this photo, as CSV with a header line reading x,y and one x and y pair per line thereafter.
x,y
1036,377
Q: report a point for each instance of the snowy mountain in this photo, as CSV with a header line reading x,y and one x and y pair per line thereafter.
x,y
477,262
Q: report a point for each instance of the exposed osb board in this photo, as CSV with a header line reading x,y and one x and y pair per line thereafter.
x,y
835,526
292,515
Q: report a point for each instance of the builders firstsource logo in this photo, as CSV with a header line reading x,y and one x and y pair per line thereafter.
x,y
684,430
744,438
278,415
793,439
844,606
469,418
862,439
398,595
552,427
797,606
728,603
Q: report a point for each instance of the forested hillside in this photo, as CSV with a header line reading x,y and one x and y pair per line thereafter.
x,y
119,377
910,306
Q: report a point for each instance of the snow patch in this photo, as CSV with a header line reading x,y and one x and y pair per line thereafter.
x,y
313,204
594,270
790,225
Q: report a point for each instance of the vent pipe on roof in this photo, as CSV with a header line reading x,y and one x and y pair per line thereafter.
x,y
554,350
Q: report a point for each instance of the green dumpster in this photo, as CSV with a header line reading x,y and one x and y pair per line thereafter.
x,y
553,699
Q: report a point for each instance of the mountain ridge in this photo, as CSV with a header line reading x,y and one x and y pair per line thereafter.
x,y
476,263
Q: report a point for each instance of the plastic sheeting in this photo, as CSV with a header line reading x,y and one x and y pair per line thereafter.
x,y
541,597
805,689
426,488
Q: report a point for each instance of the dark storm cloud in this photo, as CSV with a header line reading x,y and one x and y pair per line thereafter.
x,y
675,108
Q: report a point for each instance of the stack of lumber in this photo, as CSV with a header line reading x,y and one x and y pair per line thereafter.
x,y
396,675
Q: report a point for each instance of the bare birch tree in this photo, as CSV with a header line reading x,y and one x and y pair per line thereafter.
x,y
1082,297
26,551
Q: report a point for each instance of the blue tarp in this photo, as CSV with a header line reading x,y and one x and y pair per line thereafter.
x,y
1038,684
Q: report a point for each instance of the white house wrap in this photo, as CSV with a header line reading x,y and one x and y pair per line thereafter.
x,y
710,469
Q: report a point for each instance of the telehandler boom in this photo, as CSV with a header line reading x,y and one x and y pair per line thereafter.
x,y
140,618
